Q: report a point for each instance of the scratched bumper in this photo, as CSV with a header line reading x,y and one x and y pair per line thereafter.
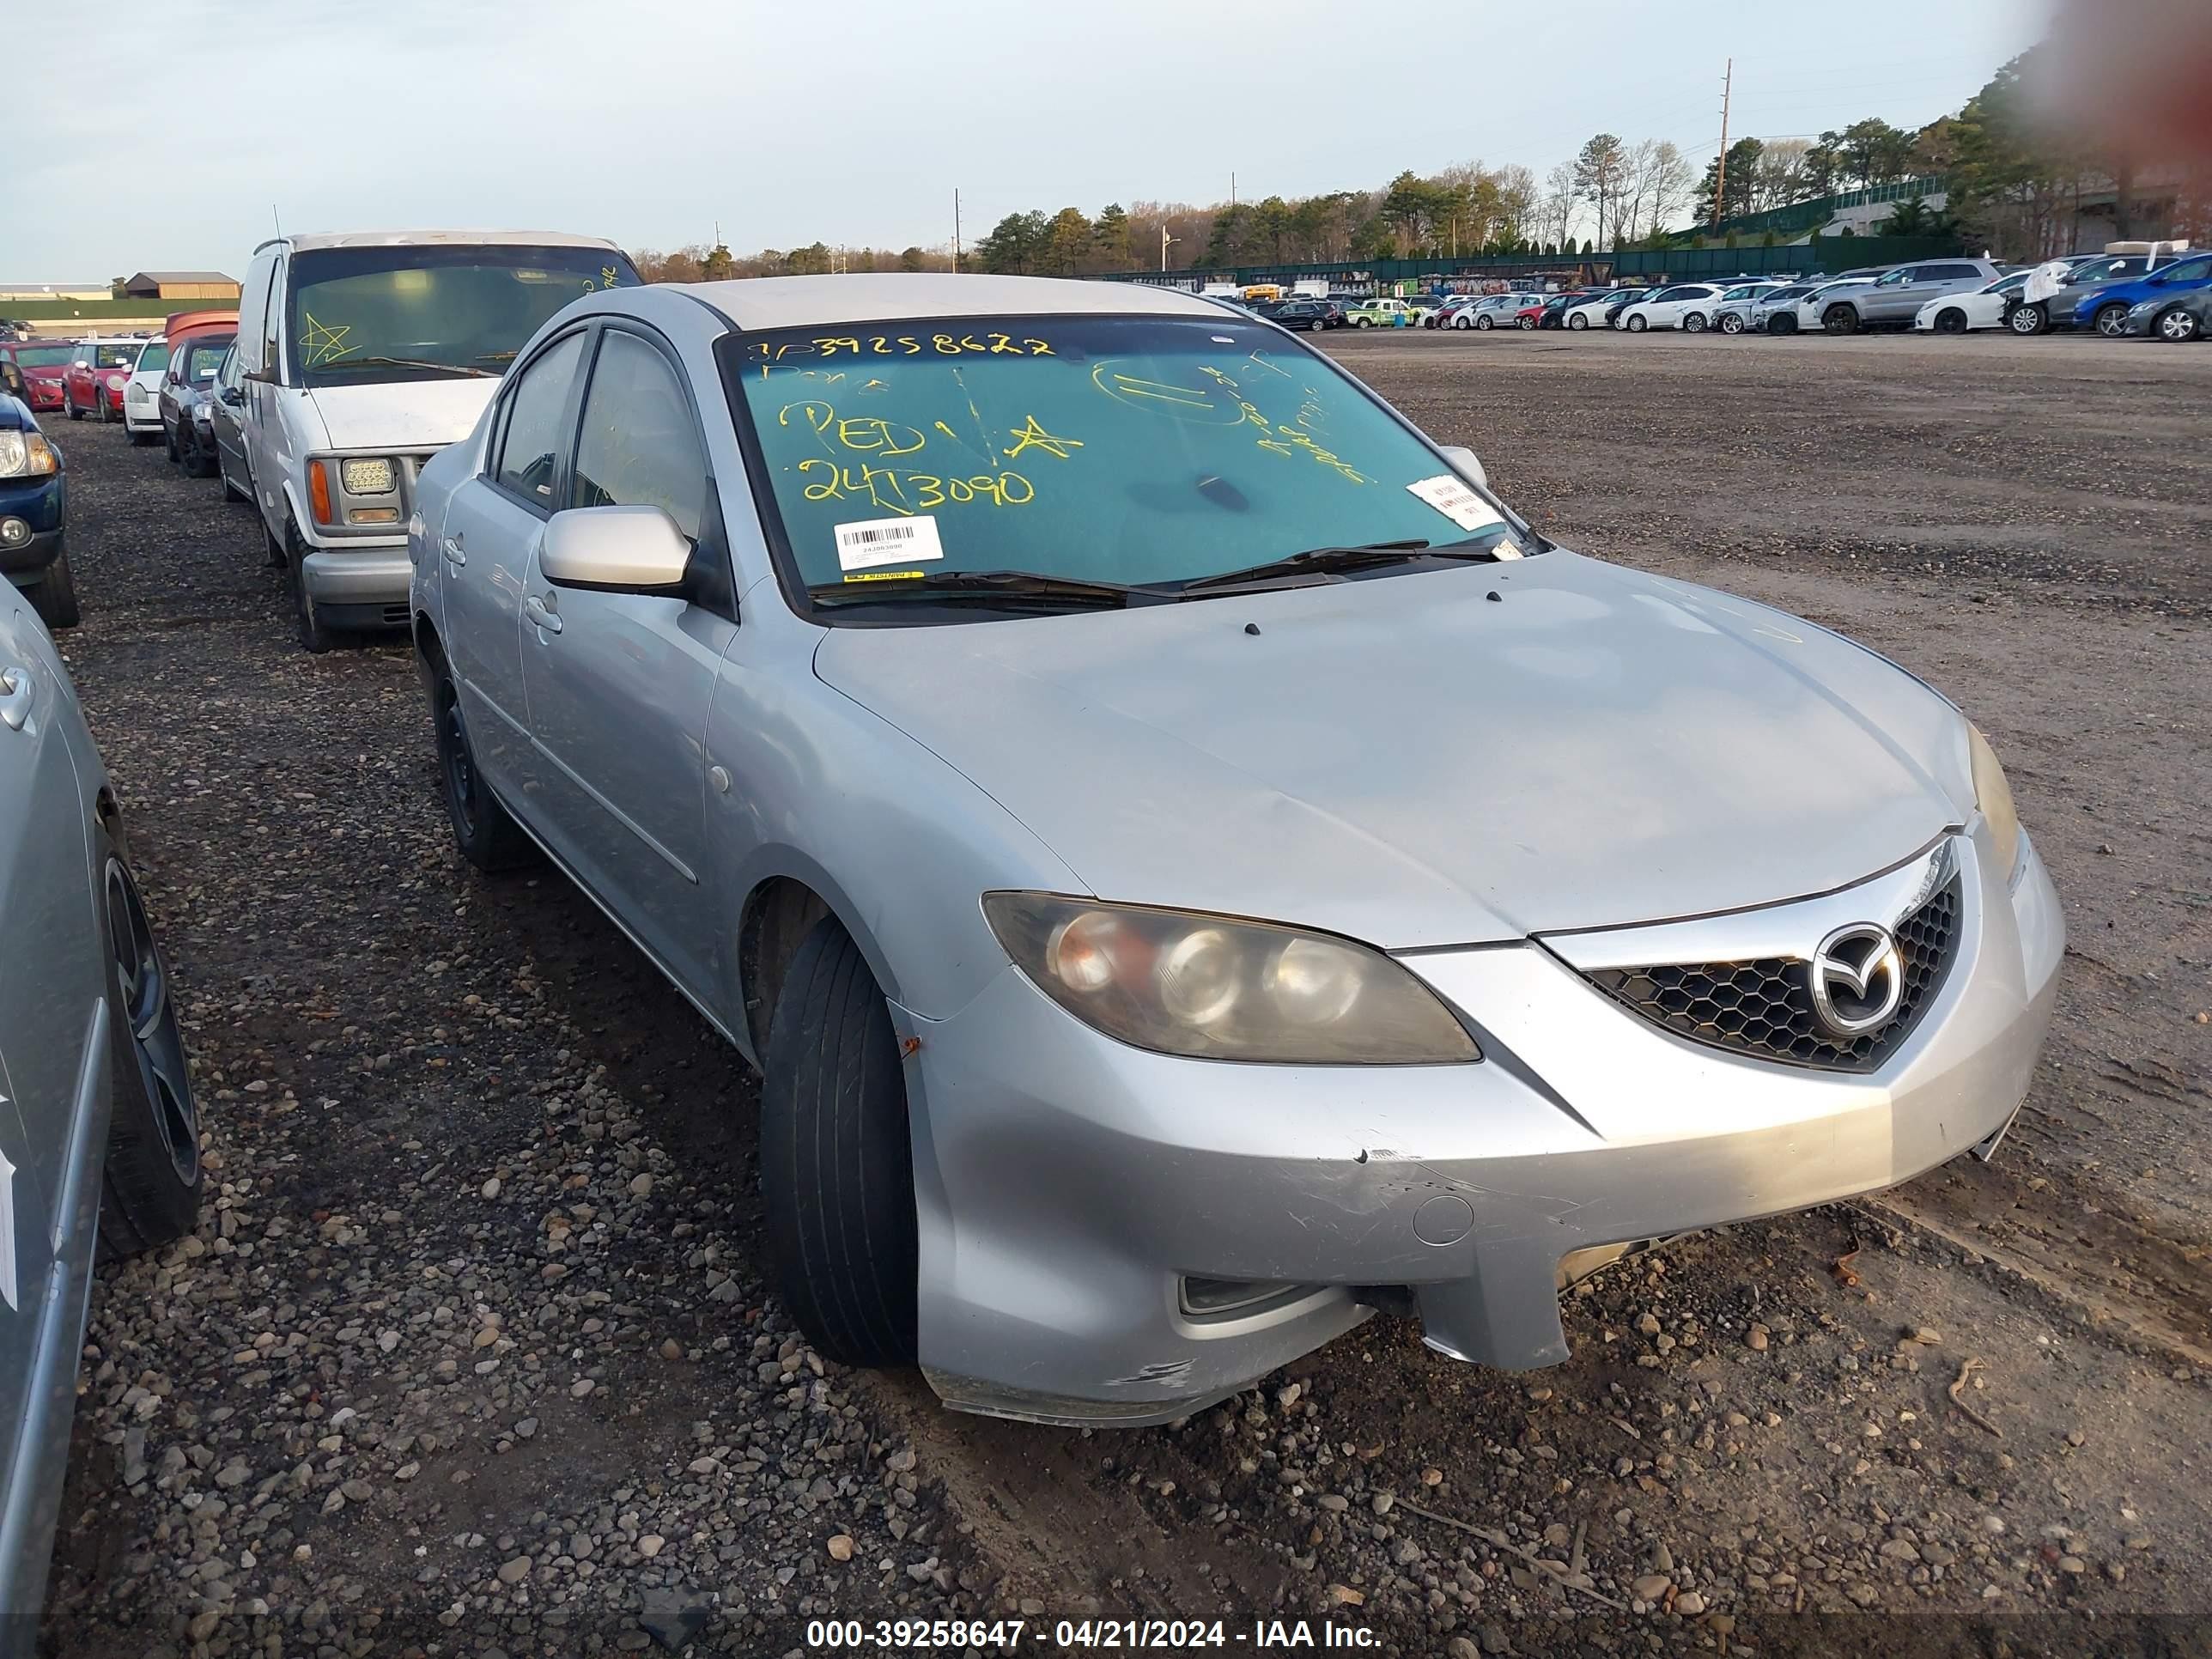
x,y
1067,1183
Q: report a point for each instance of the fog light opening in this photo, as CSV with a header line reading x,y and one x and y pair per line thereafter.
x,y
1224,1298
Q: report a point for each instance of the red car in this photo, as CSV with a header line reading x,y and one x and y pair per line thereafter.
x,y
93,384
43,363
1528,316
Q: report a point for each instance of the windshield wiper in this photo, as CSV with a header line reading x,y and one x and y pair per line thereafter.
x,y
987,585
1328,561
403,362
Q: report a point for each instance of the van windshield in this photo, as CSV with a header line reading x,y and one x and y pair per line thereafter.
x,y
359,314
155,355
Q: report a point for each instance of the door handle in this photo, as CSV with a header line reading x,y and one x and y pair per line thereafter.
x,y
541,615
16,690
452,550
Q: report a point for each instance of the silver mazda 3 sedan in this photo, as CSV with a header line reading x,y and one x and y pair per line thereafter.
x,y
1192,866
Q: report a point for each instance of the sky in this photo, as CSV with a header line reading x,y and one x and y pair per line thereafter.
x,y
851,123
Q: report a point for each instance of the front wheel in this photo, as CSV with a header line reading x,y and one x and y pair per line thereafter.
x,y
1636,324
150,1191
1484,322
2112,321
314,635
1950,321
2028,320
1694,323
53,596
1528,322
1575,319
75,413
1730,323
836,1158
1361,322
2177,324
1840,319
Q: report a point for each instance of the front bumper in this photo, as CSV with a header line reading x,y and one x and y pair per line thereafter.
x,y
1066,1184
44,506
358,586
141,417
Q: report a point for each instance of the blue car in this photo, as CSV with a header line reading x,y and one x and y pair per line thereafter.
x,y
33,510
2106,308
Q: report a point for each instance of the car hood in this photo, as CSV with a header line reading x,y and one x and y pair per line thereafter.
x,y
401,415
1408,761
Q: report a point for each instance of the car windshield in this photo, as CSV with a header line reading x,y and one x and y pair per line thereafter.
x,y
46,356
199,357
118,356
155,355
1106,449
432,311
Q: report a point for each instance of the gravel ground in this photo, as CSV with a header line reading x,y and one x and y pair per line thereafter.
x,y
472,1354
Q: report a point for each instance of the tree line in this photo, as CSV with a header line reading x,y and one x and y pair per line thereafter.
x,y
2013,185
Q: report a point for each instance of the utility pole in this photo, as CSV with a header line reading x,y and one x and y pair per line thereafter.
x,y
955,228
1720,175
1232,189
1165,239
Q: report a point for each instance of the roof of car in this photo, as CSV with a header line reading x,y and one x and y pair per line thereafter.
x,y
458,238
888,296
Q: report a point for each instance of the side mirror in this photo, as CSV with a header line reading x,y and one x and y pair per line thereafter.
x,y
629,549
81,363
1465,461
232,395
260,376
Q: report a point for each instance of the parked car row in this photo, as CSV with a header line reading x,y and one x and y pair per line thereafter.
x,y
2116,296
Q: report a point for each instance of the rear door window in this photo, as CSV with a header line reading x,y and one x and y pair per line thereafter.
x,y
536,425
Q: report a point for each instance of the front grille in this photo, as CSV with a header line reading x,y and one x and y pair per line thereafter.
x,y
1765,1008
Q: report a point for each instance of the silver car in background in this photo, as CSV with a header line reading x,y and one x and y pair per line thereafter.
x,y
1192,866
1894,298
98,1134
1751,314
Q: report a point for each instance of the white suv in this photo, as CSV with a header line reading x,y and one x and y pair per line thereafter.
x,y
363,354
1686,305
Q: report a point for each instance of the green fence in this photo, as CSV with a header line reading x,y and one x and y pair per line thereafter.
x,y
1801,216
1830,254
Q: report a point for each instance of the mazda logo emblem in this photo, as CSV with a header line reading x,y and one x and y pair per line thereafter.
x,y
1857,979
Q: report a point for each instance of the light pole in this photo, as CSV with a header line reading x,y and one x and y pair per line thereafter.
x,y
1165,241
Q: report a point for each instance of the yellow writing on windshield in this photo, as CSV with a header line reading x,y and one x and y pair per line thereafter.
x,y
991,345
1029,435
906,492
320,344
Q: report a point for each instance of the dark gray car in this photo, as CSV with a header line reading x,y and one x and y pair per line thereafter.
x,y
98,1137
1894,298
226,405
2093,272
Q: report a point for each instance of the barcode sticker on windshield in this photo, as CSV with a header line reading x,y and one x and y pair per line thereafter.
x,y
1456,500
867,543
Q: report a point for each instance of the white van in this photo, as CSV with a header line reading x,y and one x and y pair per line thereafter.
x,y
361,357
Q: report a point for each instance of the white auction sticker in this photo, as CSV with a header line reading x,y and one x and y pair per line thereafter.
x,y
1456,499
866,543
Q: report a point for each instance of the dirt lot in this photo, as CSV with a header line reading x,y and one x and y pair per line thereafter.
x,y
472,1353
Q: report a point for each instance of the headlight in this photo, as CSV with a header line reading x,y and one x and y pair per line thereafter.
x,y
201,412
134,393
26,455
1994,795
373,477
1206,987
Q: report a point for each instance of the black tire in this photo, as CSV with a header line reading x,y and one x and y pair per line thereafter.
x,y
190,457
1694,323
485,833
272,546
109,414
1951,320
836,1158
231,492
1576,320
150,1190
2027,320
169,442
1484,321
1637,324
313,635
1840,319
75,413
2111,321
1782,322
53,596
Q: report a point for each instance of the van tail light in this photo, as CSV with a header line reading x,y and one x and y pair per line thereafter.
x,y
318,492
